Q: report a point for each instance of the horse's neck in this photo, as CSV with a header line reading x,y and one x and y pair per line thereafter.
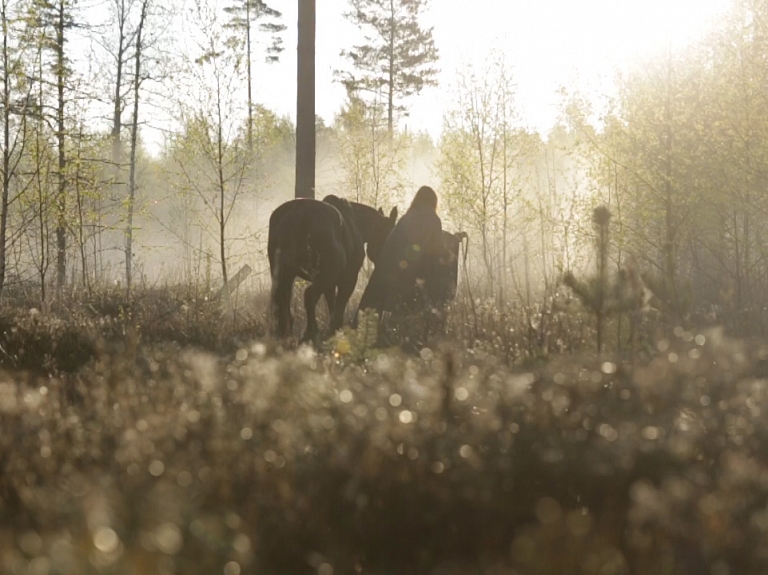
x,y
364,218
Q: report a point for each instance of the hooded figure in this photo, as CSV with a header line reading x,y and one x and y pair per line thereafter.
x,y
409,256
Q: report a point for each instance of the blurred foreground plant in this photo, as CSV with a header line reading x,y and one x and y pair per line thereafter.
x,y
173,460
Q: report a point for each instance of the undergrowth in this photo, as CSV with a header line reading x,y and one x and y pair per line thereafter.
x,y
166,435
160,459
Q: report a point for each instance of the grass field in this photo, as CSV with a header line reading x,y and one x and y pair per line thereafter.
x,y
122,452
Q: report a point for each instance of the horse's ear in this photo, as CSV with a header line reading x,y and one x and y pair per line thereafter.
x,y
381,212
393,214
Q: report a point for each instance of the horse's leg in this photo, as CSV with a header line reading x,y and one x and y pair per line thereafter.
x,y
281,298
346,287
330,299
311,297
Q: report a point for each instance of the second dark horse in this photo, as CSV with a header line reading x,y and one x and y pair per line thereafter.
x,y
322,243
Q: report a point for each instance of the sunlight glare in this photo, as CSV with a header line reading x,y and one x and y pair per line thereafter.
x,y
551,43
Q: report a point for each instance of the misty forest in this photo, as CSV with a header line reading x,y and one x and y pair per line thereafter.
x,y
587,399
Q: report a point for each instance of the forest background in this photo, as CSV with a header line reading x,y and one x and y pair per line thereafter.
x,y
135,154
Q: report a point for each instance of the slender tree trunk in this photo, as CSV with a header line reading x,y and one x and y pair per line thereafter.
x,y
42,198
61,199
80,206
118,107
134,139
505,202
305,102
527,269
737,261
602,281
669,239
487,255
747,280
619,253
391,56
248,68
222,188
6,149
374,157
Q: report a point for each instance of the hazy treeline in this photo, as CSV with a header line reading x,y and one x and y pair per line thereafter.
x,y
93,196
678,156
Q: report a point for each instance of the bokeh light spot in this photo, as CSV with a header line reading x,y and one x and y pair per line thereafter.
x,y
105,540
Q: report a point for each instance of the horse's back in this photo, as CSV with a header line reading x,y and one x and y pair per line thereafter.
x,y
351,237
298,224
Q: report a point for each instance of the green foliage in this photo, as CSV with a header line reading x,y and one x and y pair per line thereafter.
x,y
680,157
484,163
372,159
271,131
360,344
44,20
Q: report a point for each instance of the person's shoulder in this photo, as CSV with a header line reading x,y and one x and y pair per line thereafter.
x,y
422,212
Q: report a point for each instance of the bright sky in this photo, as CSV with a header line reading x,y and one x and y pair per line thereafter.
x,y
548,44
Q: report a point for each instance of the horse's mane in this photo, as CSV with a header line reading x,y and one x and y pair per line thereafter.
x,y
360,216
345,209
342,205
366,215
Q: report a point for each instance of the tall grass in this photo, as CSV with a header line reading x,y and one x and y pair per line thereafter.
x,y
151,456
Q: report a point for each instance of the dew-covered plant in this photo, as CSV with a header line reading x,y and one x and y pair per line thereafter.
x,y
157,458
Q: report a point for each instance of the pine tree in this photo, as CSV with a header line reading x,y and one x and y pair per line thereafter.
x,y
399,54
243,15
600,294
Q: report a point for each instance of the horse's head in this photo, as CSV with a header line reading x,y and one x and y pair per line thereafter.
x,y
379,232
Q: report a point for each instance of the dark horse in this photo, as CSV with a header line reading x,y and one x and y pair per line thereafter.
x,y
322,243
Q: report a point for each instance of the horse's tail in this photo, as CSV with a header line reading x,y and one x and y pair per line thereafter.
x,y
281,249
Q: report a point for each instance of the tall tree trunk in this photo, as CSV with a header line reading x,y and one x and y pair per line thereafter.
x,y
391,55
669,239
42,197
484,233
737,261
248,68
6,148
118,107
505,199
134,139
80,207
527,270
61,199
222,186
602,281
305,102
